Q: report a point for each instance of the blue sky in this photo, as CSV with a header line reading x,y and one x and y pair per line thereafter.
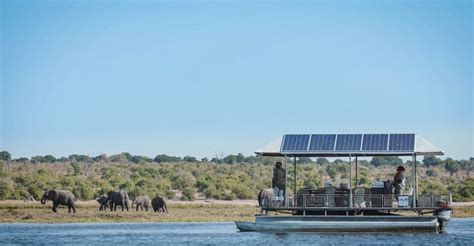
x,y
218,77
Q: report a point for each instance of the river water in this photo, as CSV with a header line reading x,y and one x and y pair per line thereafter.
x,y
460,232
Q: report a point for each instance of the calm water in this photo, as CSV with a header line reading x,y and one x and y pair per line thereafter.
x,y
460,232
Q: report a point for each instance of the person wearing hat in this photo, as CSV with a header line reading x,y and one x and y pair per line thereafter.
x,y
399,181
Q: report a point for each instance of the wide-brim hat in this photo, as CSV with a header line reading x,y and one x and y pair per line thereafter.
x,y
401,168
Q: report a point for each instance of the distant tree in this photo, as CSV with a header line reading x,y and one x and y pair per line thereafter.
x,y
331,171
188,194
22,159
63,159
431,173
118,158
139,159
386,160
377,161
451,165
251,159
38,159
431,160
410,163
83,190
7,188
5,156
204,159
189,159
76,168
50,158
216,160
465,190
230,159
80,158
101,158
393,160
322,160
304,160
166,158
363,162
240,157
127,155
467,165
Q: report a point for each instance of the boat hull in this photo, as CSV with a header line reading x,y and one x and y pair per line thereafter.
x,y
341,224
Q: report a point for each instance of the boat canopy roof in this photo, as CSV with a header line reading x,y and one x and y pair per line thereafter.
x,y
334,145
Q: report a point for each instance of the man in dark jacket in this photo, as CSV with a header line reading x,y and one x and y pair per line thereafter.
x,y
399,181
278,181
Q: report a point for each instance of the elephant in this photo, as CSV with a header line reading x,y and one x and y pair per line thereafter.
x,y
102,200
60,197
142,201
264,198
118,198
159,203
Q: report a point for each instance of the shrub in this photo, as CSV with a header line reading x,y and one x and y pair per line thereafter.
x,y
188,194
169,194
229,196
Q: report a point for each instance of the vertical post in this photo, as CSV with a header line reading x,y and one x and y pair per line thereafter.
x,y
294,181
286,181
350,182
415,193
357,181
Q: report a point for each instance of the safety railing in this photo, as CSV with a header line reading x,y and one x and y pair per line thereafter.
x,y
358,201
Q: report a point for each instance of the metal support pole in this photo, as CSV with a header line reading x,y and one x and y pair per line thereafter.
x,y
415,193
286,181
294,181
350,182
357,181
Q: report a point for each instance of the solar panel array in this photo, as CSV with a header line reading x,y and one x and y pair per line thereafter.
x,y
348,143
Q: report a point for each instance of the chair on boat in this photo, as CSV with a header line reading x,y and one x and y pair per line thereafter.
x,y
330,193
361,195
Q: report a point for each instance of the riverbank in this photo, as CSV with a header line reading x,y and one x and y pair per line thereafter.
x,y
35,212
179,211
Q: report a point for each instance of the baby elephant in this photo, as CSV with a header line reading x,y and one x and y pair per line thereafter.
x,y
158,204
60,197
102,200
142,201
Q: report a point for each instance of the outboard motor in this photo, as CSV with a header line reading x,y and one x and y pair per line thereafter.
x,y
443,212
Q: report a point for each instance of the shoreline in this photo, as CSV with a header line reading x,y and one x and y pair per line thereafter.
x,y
179,211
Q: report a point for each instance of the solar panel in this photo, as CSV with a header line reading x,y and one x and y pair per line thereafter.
x,y
348,142
375,142
322,142
402,142
295,142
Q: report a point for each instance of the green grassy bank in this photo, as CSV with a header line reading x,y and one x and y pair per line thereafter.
x,y
22,212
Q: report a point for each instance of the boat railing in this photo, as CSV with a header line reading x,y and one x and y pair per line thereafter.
x,y
358,201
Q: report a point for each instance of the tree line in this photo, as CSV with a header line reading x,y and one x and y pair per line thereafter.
x,y
230,177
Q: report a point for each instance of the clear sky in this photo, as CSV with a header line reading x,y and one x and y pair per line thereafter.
x,y
203,78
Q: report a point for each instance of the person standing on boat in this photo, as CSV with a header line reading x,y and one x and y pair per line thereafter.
x,y
278,181
399,181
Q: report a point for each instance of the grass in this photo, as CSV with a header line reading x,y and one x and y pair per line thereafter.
x,y
35,212
463,212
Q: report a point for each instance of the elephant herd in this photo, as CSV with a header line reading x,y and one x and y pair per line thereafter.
x,y
120,198
112,200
